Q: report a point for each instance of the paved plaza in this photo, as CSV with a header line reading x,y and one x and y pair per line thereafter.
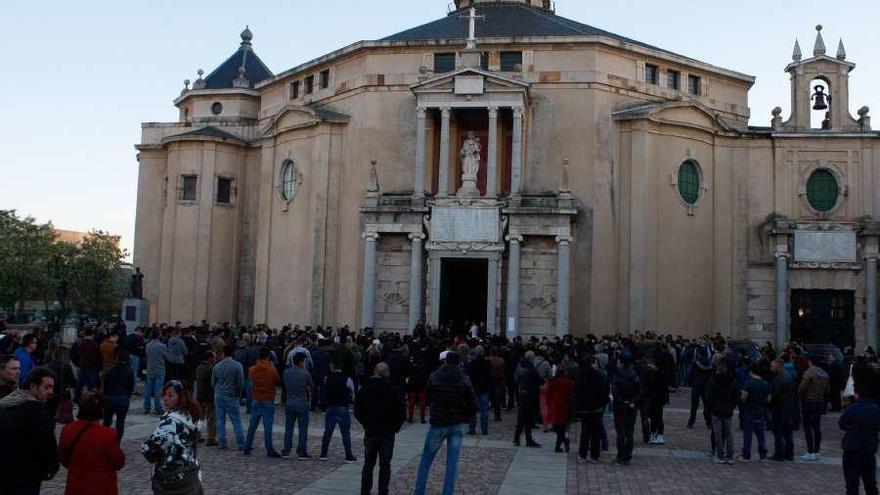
x,y
492,465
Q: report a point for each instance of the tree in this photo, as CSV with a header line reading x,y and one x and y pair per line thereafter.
x,y
25,248
95,272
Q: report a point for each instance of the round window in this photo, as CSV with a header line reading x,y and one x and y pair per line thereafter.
x,y
217,108
689,182
288,180
822,190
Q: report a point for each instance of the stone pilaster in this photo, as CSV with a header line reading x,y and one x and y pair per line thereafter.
x,y
369,291
516,156
443,182
491,160
419,180
513,262
563,286
782,333
871,299
415,279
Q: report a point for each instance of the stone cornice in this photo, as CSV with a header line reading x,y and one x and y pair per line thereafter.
x,y
216,92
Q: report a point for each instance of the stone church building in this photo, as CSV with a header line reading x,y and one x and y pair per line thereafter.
x,y
506,165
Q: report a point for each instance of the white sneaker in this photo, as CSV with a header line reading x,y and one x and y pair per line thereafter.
x,y
653,440
808,457
817,456
661,439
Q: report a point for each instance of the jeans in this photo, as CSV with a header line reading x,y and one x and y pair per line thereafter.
x,y
248,394
135,367
337,415
116,405
783,441
497,399
591,435
265,410
433,440
211,420
624,425
642,406
723,437
858,465
88,378
153,388
383,448
756,425
483,402
655,414
813,425
228,406
699,393
296,411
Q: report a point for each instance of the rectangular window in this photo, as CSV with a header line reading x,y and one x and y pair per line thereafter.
x,y
651,72
325,79
510,60
694,83
187,188
673,79
310,84
444,62
484,60
224,191
294,90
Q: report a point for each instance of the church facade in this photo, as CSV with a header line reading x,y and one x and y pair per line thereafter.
x,y
506,165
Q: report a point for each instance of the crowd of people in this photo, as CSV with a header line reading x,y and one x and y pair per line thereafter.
x,y
198,378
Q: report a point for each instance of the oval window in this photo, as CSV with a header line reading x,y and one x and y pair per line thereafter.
x,y
822,190
689,182
217,108
288,180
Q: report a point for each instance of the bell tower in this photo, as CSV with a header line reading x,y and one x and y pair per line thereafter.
x,y
820,83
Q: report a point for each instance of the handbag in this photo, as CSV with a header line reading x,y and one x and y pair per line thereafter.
x,y
69,452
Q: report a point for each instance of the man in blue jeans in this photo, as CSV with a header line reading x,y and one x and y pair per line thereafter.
x,y
265,380
815,386
298,385
452,401
228,382
755,396
158,355
340,395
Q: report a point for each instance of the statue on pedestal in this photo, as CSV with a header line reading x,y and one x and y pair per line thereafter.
x,y
137,284
470,166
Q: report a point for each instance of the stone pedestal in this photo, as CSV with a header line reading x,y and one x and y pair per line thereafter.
x,y
135,313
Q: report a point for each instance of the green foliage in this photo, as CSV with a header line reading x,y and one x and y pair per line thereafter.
x,y
33,266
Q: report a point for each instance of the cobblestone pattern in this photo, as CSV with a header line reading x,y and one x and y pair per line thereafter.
x,y
480,472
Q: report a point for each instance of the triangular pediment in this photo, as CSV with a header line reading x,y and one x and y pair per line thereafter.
x,y
293,116
690,113
491,81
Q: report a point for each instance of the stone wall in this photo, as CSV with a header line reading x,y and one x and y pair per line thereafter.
x,y
537,296
761,303
392,283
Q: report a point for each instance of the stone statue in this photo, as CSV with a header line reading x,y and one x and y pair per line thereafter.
x,y
137,284
470,166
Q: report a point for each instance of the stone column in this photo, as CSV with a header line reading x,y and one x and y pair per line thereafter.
x,y
369,293
516,155
563,285
781,298
512,324
491,160
415,280
419,182
443,181
871,300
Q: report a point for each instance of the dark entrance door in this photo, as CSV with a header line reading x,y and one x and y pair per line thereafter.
x,y
823,316
463,291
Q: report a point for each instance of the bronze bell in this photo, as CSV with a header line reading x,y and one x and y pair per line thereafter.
x,y
819,96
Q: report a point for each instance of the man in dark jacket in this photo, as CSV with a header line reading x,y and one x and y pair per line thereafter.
x,y
205,394
723,396
781,412
452,402
861,422
591,397
380,410
30,454
480,374
528,390
627,388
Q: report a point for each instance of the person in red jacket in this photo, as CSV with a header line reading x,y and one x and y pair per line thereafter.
x,y
560,391
90,452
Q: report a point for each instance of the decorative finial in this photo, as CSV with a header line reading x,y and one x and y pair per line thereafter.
x,y
241,81
864,118
841,51
819,47
246,36
776,121
199,82
185,86
796,54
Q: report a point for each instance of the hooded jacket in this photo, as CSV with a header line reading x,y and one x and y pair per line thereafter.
x,y
31,455
450,396
172,446
723,395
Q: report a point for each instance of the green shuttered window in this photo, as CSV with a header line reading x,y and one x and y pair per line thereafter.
x,y
822,190
689,182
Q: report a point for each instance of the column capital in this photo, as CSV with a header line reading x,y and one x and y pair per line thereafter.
x,y
445,111
871,257
493,111
782,254
416,237
518,112
564,239
421,112
513,238
370,236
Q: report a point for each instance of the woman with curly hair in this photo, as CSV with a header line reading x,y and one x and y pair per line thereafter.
x,y
172,447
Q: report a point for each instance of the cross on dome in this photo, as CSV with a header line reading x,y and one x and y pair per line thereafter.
x,y
472,17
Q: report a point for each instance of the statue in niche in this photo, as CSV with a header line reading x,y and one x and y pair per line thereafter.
x,y
470,165
137,284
